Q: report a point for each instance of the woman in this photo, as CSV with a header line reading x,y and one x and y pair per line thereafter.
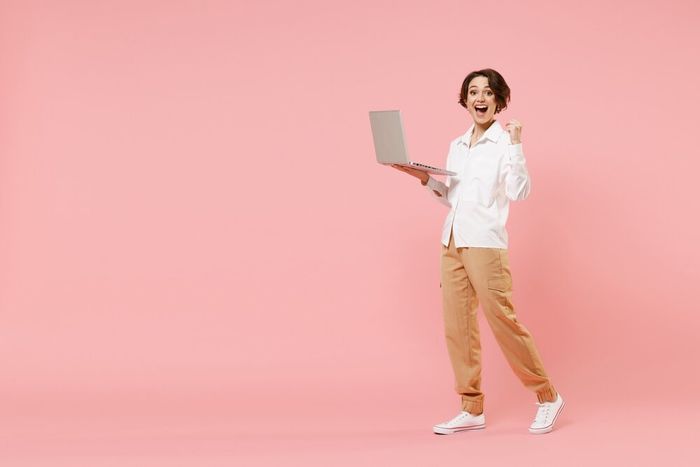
x,y
491,172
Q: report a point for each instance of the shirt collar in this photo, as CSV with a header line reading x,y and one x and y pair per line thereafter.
x,y
493,133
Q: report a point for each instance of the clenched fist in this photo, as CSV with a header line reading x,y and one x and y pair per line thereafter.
x,y
514,127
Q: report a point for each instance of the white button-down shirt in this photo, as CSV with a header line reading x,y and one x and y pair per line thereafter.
x,y
489,175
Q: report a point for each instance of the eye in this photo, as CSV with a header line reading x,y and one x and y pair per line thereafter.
x,y
490,93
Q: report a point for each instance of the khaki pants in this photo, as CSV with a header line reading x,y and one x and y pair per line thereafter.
x,y
469,276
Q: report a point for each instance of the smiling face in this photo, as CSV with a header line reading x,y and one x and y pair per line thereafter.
x,y
481,100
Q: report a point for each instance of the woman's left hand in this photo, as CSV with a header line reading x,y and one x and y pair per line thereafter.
x,y
514,128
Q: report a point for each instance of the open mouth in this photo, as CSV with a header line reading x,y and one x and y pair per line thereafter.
x,y
481,109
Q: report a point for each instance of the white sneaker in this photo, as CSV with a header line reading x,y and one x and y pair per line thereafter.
x,y
547,413
462,422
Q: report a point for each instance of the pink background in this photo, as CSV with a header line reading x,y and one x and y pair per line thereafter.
x,y
202,264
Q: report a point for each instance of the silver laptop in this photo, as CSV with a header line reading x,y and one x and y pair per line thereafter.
x,y
389,143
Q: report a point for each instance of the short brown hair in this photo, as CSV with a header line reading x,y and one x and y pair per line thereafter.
x,y
497,84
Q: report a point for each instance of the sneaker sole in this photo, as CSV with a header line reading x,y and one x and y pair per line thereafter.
x,y
547,429
449,431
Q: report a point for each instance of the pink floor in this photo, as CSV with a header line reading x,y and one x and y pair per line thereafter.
x,y
629,434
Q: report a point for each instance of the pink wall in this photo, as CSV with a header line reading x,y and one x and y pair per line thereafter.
x,y
191,218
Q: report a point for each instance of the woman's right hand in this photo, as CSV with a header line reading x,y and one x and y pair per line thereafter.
x,y
419,174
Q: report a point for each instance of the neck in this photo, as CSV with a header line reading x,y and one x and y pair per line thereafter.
x,y
480,128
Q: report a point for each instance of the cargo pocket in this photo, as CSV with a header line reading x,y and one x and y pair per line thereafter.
x,y
499,284
500,290
499,287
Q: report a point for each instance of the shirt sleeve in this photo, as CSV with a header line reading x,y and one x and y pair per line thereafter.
x,y
517,179
439,190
